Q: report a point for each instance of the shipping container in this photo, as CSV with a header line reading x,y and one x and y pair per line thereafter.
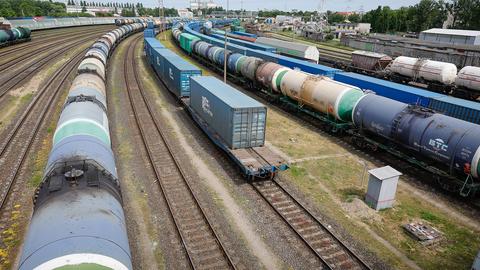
x,y
238,119
400,92
175,72
148,33
455,107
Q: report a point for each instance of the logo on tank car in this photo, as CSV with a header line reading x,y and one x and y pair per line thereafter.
x,y
438,145
206,106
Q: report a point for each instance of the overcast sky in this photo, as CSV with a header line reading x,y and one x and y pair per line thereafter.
x,y
336,5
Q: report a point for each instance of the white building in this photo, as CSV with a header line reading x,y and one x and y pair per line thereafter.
x,y
452,36
184,13
93,10
202,4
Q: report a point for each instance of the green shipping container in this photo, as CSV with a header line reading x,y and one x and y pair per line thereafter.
x,y
186,41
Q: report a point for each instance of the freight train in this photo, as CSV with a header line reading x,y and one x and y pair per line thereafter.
x,y
451,106
235,122
434,75
447,147
78,220
14,35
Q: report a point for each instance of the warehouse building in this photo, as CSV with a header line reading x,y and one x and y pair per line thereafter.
x,y
451,36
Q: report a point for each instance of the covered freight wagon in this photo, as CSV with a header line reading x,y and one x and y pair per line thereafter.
x,y
238,119
187,41
294,49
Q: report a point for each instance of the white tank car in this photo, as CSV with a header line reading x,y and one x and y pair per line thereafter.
x,y
428,70
469,77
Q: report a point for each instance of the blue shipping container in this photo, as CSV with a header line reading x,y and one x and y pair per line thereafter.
x,y
400,92
150,45
176,72
238,119
455,107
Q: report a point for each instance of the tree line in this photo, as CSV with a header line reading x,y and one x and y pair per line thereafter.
x,y
462,14
459,14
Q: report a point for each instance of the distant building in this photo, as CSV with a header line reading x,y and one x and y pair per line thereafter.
x,y
185,13
202,4
348,28
287,19
93,9
451,36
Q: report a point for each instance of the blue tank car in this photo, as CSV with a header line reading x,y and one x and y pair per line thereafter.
x,y
449,141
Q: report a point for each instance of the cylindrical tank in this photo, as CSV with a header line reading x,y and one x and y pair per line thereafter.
x,y
105,41
204,48
102,47
232,61
83,146
92,65
265,72
240,62
277,79
27,31
82,118
450,141
16,33
376,114
321,93
291,83
469,77
429,70
97,53
212,52
11,35
88,80
89,92
3,36
220,58
85,226
250,66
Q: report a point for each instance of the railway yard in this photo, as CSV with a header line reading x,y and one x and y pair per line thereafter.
x,y
106,161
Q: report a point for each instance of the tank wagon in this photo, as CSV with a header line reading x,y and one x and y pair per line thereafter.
x,y
433,75
78,219
233,121
14,35
447,147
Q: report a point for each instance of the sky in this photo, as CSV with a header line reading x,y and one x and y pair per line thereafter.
x,y
334,5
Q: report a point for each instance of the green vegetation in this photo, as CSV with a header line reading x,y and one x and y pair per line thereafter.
x,y
29,8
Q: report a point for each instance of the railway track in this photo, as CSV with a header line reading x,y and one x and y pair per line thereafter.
x,y
317,237
198,237
17,143
8,82
52,37
25,57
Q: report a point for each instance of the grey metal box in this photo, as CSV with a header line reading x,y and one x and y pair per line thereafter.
x,y
238,119
382,186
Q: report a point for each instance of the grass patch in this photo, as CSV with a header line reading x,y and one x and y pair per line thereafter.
x,y
350,193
